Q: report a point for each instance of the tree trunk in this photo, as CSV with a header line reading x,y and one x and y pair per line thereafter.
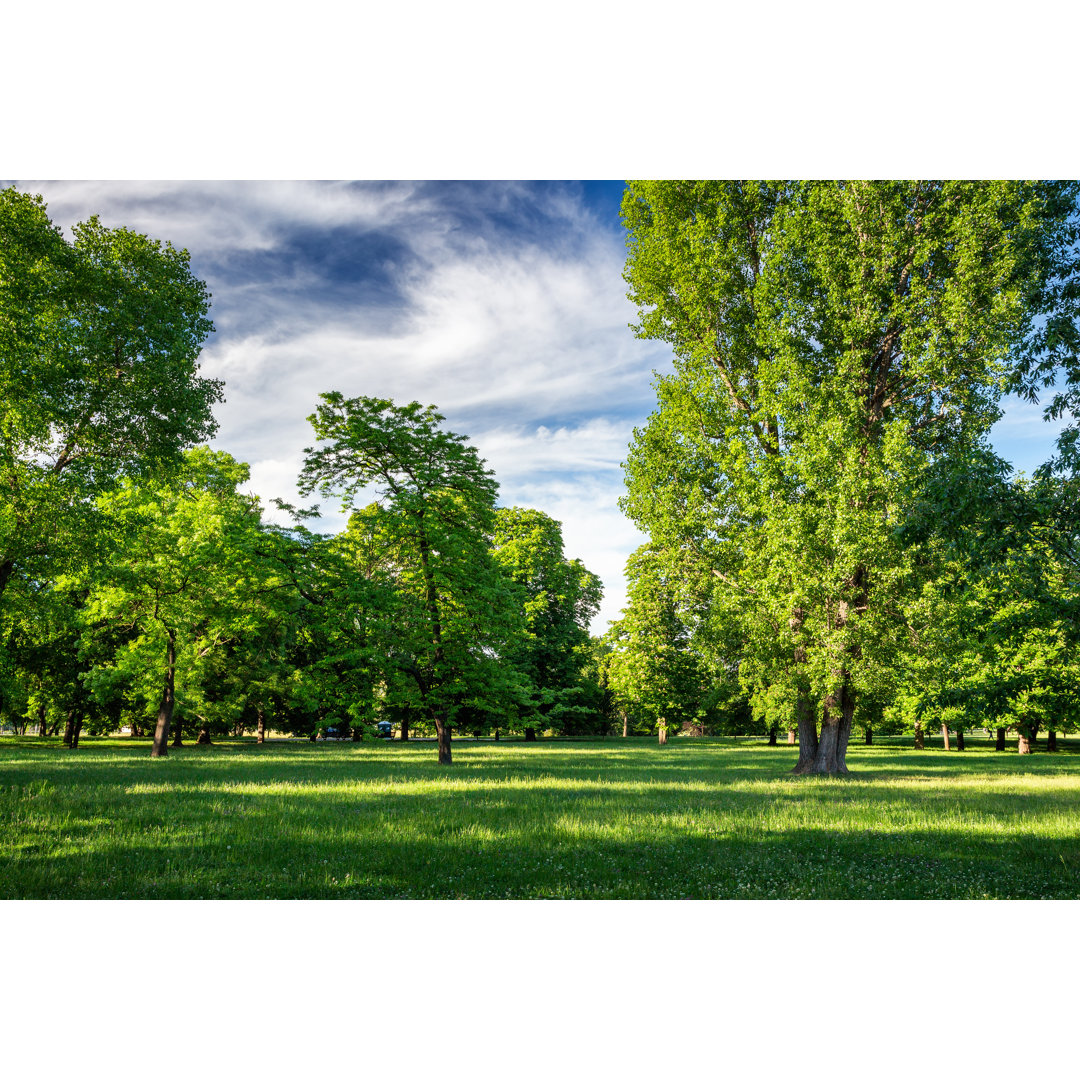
x,y
69,728
804,710
168,701
837,715
662,733
959,738
204,738
496,734
530,734
54,730
920,743
6,569
945,735
260,731
1000,742
178,731
808,737
444,732
791,737
869,737
1051,740
625,724
43,725
772,735
75,732
404,729
1023,744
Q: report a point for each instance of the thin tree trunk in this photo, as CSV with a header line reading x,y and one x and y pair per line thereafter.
x,y
999,744
43,726
69,728
662,733
625,724
178,731
204,738
945,735
496,734
168,701
772,735
260,730
920,743
404,729
1023,744
791,737
959,738
54,730
6,570
1051,740
869,736
75,732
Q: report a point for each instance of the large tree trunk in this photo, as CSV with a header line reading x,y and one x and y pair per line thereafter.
x,y
808,737
920,742
869,736
405,729
662,733
1051,740
168,701
530,734
791,737
260,730
945,735
804,709
837,715
444,732
999,744
959,738
1023,744
69,728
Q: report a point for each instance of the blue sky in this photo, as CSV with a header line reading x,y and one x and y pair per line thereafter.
x,y
501,303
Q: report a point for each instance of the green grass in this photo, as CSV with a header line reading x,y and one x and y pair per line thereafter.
x,y
701,818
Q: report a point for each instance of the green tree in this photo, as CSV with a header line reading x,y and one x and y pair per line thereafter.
x,y
99,346
184,581
452,614
559,597
832,342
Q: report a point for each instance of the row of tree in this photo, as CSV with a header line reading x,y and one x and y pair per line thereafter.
x,y
140,586
831,536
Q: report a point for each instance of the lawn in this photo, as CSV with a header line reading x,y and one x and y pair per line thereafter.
x,y
701,818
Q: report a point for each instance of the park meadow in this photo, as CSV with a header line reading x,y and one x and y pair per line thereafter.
x,y
700,818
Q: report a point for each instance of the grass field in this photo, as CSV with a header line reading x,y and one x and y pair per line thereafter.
x,y
702,818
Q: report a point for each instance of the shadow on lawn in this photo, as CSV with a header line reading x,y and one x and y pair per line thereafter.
x,y
556,840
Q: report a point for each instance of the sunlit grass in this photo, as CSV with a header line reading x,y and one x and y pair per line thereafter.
x,y
614,819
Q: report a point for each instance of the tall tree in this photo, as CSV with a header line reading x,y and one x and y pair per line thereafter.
x,y
184,581
436,514
559,597
99,346
832,341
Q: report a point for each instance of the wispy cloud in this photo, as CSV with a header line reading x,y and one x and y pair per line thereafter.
x,y
501,304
